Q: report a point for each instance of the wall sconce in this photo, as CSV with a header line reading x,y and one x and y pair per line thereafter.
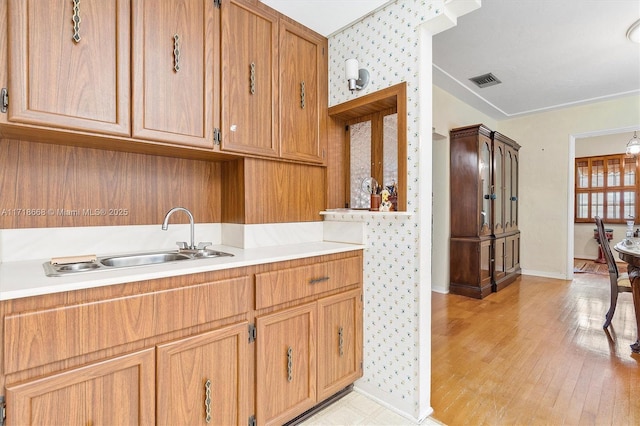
x,y
633,146
357,78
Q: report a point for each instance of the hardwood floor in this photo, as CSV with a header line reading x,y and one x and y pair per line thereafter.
x,y
535,353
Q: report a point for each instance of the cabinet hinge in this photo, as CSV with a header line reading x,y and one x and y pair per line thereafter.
x,y
217,3
252,421
3,411
217,136
253,333
4,99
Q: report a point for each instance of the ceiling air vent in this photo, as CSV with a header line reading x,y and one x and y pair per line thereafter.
x,y
485,80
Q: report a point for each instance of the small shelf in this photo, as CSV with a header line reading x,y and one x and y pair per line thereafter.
x,y
368,213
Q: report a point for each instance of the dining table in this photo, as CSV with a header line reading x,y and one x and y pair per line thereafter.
x,y
629,251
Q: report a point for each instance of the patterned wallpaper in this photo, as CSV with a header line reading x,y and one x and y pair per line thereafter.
x,y
387,44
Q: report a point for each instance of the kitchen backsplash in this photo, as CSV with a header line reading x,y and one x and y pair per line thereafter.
x,y
43,243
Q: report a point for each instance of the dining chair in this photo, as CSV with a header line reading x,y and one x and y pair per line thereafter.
x,y
619,282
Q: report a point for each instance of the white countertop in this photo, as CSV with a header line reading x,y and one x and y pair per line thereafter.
x,y
27,278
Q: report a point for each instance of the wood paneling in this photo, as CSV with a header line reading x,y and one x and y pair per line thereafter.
x,y
337,165
283,192
46,185
274,192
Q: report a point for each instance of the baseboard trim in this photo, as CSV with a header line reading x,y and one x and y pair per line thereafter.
x,y
321,406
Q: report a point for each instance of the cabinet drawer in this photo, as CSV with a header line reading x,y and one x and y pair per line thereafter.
x,y
274,288
40,337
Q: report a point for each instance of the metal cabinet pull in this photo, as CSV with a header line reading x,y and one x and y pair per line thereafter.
x,y
341,341
302,95
318,280
290,364
176,52
207,401
76,21
252,78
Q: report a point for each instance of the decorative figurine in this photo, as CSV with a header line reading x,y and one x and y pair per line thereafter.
x,y
385,205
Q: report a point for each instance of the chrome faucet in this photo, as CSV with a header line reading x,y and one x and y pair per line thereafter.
x,y
165,226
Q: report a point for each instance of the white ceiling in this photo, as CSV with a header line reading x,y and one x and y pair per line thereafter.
x,y
326,16
548,54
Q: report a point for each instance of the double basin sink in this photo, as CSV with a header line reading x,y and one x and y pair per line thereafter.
x,y
129,261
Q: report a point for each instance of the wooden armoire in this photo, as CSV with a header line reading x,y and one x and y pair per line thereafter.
x,y
485,240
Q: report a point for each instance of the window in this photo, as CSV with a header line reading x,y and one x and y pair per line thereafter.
x,y
380,120
606,186
373,146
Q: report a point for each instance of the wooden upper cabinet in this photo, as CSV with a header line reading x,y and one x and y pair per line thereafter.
x,y
506,165
249,49
473,189
303,98
173,63
65,75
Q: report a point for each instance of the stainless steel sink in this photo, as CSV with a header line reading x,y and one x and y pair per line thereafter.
x,y
130,261
142,259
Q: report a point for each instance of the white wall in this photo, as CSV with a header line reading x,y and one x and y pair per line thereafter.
x,y
546,176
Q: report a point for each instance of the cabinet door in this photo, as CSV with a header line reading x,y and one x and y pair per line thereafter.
x,y
471,266
173,71
511,166
486,187
118,391
512,253
202,380
498,187
65,75
286,366
249,79
339,342
302,65
500,267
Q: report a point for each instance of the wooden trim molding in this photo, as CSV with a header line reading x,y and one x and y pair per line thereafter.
x,y
394,97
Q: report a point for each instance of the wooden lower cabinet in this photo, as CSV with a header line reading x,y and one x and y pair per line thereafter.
x,y
507,260
286,364
119,391
183,350
201,380
309,336
289,381
471,266
339,342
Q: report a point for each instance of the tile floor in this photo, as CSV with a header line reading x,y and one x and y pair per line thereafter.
x,y
356,409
